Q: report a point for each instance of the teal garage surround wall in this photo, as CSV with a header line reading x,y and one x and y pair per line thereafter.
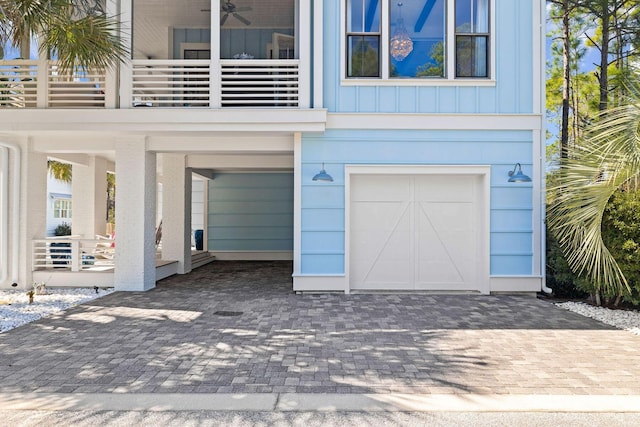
x,y
512,92
323,203
250,212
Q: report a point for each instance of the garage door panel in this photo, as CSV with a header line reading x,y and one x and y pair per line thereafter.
x,y
418,232
449,216
439,276
444,188
384,249
378,215
373,188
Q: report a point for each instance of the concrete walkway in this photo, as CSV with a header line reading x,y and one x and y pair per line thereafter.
x,y
229,329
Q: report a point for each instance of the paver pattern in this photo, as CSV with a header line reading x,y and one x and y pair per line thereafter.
x,y
187,336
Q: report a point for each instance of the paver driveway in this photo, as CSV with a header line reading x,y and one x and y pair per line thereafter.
x,y
183,337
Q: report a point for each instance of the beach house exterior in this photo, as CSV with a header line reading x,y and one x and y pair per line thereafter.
x,y
379,145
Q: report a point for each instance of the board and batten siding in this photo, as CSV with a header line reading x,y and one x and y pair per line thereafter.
x,y
322,248
251,212
511,94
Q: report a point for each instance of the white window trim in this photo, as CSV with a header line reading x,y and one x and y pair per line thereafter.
x,y
449,80
68,209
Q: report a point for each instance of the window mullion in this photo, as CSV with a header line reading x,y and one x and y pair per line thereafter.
x,y
450,71
384,39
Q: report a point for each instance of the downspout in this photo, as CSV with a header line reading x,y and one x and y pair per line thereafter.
x,y
15,211
4,213
543,158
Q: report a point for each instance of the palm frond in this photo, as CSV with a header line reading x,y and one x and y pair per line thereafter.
x,y
20,18
60,171
89,42
604,162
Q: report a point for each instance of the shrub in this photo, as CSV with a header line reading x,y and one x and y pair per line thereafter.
x,y
63,229
621,234
564,282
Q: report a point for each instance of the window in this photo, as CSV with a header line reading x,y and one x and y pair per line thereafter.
x,y
417,39
62,208
363,38
472,38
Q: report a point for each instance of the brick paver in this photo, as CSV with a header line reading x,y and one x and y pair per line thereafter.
x,y
238,327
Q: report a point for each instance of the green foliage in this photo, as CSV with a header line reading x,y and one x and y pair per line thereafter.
x,y
564,282
76,33
433,68
63,229
60,171
111,198
606,160
364,60
621,234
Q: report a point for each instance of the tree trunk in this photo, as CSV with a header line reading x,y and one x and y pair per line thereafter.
x,y
604,58
566,81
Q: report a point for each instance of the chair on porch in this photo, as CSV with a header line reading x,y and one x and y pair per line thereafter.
x,y
105,250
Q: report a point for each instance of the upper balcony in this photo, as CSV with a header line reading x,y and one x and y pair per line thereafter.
x,y
195,54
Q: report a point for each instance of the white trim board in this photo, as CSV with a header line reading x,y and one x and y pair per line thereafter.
x,y
420,121
252,255
337,283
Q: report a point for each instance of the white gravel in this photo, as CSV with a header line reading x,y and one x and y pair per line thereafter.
x,y
15,309
629,320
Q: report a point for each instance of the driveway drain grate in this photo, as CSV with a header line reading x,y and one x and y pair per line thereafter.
x,y
228,313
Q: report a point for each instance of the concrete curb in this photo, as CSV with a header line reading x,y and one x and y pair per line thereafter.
x,y
318,402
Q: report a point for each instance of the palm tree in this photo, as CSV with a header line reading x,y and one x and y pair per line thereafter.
x,y
605,161
76,32
60,171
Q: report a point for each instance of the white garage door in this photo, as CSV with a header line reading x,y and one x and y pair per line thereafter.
x,y
415,232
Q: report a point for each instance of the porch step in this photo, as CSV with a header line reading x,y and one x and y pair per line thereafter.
x,y
200,258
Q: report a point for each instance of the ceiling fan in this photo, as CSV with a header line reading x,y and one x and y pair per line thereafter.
x,y
229,8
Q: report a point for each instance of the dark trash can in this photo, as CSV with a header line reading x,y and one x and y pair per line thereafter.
x,y
198,235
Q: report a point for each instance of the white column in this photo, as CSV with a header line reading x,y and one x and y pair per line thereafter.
x,y
318,59
89,189
297,203
135,215
126,68
305,54
176,211
33,210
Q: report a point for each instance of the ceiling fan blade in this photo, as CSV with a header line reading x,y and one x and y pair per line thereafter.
x,y
244,9
224,18
242,19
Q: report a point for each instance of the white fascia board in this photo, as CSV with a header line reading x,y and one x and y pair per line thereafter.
x,y
394,121
240,161
73,158
150,120
238,143
58,145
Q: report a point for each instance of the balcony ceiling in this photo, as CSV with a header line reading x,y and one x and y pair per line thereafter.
x,y
153,18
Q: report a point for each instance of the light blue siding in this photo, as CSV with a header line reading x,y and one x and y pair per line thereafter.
x,y
511,204
512,93
251,212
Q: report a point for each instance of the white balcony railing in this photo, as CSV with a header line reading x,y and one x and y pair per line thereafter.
x,y
73,255
259,83
20,86
81,90
170,83
154,83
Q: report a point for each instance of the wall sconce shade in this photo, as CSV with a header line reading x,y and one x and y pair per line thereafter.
x,y
516,174
323,176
